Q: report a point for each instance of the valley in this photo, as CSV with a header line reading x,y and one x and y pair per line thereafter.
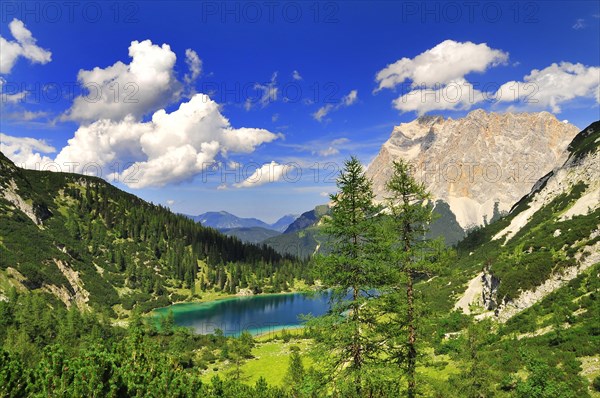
x,y
300,199
512,275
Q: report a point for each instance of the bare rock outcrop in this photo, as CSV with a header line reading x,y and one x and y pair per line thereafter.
x,y
481,164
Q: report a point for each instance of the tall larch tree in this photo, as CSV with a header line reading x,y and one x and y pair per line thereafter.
x,y
350,269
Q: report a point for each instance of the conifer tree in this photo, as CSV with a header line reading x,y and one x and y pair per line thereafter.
x,y
351,270
295,372
411,255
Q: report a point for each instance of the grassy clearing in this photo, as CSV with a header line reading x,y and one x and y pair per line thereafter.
x,y
270,361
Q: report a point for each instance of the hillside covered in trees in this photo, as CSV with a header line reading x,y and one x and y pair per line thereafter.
x,y
95,246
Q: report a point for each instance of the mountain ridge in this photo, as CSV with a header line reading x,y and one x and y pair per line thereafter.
x,y
223,220
98,247
476,164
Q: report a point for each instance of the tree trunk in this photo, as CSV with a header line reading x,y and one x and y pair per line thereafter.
x,y
356,348
412,350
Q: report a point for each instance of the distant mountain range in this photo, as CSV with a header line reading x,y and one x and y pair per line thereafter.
x,y
250,230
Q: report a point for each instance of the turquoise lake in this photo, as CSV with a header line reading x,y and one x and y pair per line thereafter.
x,y
256,314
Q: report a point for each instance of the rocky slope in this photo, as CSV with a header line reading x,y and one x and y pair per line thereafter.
x,y
479,165
549,237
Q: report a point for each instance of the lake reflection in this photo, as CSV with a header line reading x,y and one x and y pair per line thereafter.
x,y
256,314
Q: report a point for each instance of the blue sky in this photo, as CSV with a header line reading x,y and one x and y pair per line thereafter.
x,y
288,88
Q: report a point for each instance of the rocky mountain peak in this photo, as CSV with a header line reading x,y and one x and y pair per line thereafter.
x,y
480,164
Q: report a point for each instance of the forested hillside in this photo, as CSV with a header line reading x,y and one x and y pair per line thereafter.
x,y
93,245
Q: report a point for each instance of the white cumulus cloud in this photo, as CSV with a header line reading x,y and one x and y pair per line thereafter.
x,y
435,79
554,85
26,152
267,173
455,95
24,46
448,61
144,85
171,148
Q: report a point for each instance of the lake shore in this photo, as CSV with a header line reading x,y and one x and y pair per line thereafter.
x,y
263,315
215,297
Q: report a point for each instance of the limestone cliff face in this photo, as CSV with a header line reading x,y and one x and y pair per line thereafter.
x,y
481,164
563,203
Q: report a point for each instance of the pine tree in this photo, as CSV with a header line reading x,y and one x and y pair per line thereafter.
x,y
295,372
350,269
167,324
474,381
411,255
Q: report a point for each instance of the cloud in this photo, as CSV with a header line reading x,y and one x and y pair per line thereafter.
x,y
269,90
340,141
330,151
347,100
144,85
26,116
333,149
437,80
275,117
24,46
233,165
455,95
170,148
268,93
350,98
296,75
21,150
267,173
554,85
170,202
194,63
447,62
11,98
579,24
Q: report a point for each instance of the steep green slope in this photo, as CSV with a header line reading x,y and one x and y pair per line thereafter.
x,y
303,238
308,219
92,245
547,238
250,234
